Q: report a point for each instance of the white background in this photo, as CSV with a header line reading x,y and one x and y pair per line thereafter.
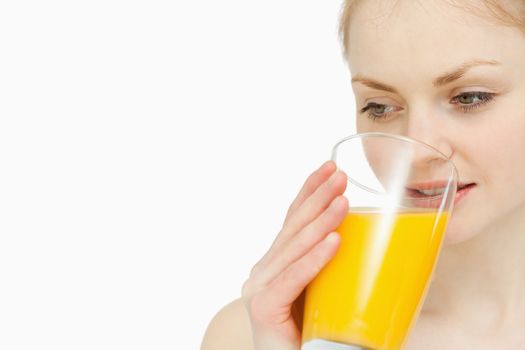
x,y
148,153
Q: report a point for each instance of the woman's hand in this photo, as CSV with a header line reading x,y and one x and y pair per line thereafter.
x,y
273,292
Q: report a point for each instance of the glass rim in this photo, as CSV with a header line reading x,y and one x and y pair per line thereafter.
x,y
455,173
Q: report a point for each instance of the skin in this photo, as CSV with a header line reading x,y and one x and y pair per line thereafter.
x,y
475,299
480,277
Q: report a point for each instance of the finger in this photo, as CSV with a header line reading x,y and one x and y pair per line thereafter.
x,y
304,241
312,207
311,184
298,311
284,290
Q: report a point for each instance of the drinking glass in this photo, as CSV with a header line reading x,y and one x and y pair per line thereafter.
x,y
401,192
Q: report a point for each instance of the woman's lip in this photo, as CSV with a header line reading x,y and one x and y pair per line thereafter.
x,y
434,184
420,200
461,193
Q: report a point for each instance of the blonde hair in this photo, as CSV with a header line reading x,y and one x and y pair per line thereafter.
x,y
507,13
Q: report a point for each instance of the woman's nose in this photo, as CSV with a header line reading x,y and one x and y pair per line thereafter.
x,y
431,131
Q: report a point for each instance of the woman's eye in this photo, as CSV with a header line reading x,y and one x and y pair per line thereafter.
x,y
468,101
377,110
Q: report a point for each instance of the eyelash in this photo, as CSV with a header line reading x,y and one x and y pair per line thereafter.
x,y
484,98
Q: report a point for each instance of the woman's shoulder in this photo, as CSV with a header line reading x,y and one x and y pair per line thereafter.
x,y
229,329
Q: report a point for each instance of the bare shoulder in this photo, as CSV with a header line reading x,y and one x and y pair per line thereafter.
x,y
229,329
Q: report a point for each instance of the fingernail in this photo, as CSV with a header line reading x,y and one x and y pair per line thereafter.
x,y
332,237
332,178
338,202
326,165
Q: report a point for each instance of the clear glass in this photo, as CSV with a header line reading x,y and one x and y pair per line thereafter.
x,y
401,193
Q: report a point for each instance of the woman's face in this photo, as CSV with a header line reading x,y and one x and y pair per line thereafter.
x,y
434,72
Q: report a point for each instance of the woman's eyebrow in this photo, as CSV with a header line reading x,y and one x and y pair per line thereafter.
x,y
459,72
374,84
443,79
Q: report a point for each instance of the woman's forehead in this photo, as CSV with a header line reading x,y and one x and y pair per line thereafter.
x,y
410,20
423,38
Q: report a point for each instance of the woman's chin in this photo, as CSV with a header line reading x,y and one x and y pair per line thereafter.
x,y
461,228
455,236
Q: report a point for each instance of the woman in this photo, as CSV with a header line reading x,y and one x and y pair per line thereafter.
x,y
452,74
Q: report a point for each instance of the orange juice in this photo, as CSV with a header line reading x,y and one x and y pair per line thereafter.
x,y
372,290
